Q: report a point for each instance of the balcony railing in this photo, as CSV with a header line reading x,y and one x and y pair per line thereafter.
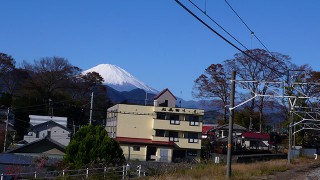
x,y
194,123
193,140
175,122
177,125
187,143
174,139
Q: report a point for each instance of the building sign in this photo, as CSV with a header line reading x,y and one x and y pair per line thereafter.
x,y
180,110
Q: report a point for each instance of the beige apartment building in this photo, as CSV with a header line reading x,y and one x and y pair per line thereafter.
x,y
162,132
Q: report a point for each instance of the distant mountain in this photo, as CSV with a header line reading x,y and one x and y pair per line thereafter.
x,y
135,96
119,79
201,104
114,95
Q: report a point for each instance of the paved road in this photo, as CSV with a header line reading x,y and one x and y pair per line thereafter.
x,y
313,174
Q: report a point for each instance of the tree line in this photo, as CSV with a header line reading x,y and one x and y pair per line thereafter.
x,y
50,86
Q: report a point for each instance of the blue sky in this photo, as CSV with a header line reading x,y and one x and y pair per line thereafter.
x,y
156,41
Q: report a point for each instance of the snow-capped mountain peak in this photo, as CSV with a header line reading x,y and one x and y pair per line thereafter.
x,y
119,79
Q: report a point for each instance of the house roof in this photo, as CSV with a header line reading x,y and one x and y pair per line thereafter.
x,y
33,145
254,135
143,141
48,124
206,128
226,127
19,159
162,92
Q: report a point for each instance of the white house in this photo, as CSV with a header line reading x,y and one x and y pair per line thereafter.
x,y
50,129
35,120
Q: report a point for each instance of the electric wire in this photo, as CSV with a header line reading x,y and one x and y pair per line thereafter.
x,y
233,45
204,12
214,31
251,32
45,104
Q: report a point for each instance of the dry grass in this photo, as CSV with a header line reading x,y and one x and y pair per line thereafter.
x,y
239,171
246,171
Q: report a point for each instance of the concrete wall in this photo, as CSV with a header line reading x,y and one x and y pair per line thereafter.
x,y
135,121
130,152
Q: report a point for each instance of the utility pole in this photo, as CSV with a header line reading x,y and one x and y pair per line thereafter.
x,y
5,133
90,120
290,136
260,127
231,118
50,108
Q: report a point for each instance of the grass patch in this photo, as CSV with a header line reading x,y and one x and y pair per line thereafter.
x,y
260,168
239,170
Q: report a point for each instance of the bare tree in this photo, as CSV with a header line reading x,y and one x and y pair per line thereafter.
x,y
49,76
214,84
265,67
7,64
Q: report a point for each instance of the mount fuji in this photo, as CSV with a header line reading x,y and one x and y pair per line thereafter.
x,y
119,79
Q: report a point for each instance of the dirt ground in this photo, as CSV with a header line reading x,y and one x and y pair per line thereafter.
x,y
308,169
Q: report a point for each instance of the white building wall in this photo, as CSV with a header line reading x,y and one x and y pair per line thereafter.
x,y
57,133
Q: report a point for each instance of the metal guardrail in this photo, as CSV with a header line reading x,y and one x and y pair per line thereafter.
x,y
120,171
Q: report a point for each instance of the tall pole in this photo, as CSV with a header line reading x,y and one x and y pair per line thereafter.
x,y
50,108
5,133
231,118
260,127
90,120
146,100
290,137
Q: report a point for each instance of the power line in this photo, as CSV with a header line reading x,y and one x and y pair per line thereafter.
x,y
222,37
205,13
251,32
214,31
44,104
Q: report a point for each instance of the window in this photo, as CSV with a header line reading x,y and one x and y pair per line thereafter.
x,y
136,148
173,136
193,138
49,134
192,153
161,115
174,139
194,123
194,120
37,134
175,122
174,117
160,133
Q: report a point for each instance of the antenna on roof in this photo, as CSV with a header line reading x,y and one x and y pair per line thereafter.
x,y
146,100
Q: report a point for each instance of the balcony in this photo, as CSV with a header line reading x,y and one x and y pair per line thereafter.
x,y
176,125
185,143
189,143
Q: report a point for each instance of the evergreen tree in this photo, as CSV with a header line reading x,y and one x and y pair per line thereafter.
x,y
91,145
